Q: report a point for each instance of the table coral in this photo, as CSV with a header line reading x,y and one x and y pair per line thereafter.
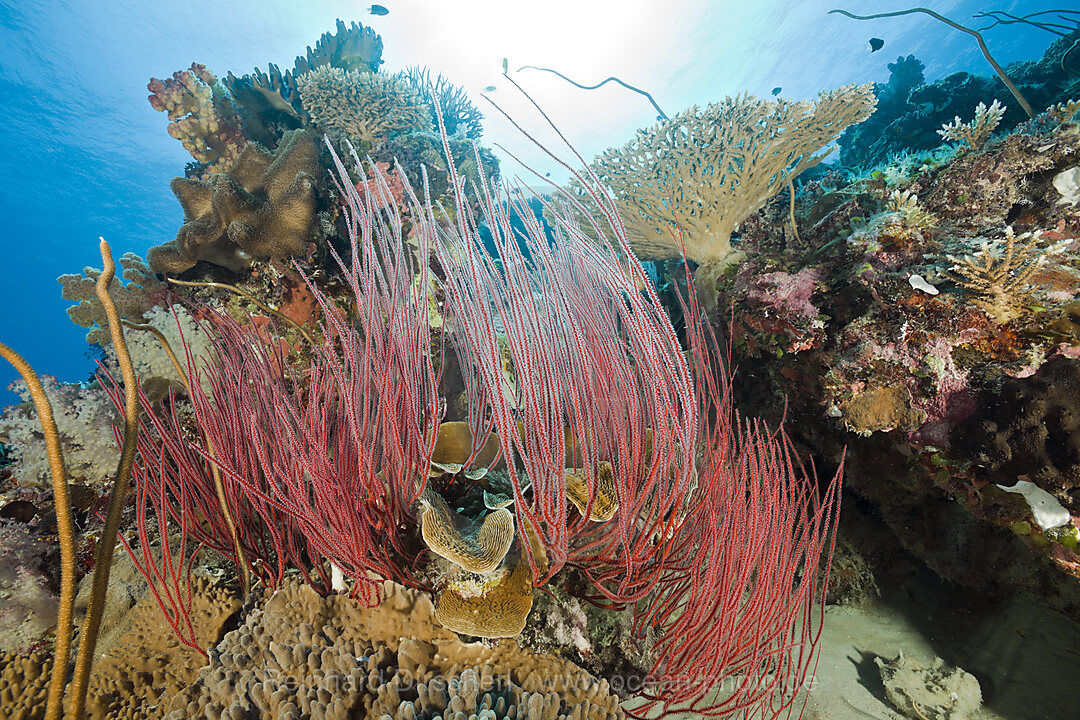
x,y
698,175
264,207
203,116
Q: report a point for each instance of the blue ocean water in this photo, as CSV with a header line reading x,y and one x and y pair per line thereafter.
x,y
82,153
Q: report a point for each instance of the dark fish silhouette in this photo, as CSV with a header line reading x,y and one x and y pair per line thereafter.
x,y
379,10
876,44
776,90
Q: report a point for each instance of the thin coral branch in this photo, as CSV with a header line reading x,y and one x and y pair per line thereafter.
x,y
974,33
104,555
65,529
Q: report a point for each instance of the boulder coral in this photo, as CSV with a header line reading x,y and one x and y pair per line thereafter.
x,y
344,660
264,207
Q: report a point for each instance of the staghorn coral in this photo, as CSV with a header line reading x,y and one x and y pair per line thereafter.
x,y
363,106
978,131
132,300
906,203
333,658
264,207
1000,278
701,173
203,116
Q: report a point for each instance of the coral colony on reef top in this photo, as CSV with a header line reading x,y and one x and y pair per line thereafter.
x,y
404,442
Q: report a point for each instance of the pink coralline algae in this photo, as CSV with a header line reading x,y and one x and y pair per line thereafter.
x,y
786,293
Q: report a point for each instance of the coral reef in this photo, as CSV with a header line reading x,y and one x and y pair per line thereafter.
x,y
342,658
203,116
1030,429
132,300
911,111
85,417
362,106
269,102
695,177
264,207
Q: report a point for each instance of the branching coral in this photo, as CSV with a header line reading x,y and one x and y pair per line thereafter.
x,y
979,130
263,208
700,174
203,116
363,106
1000,277
269,102
132,300
906,203
460,116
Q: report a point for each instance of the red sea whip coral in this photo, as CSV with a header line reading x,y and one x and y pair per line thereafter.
x,y
719,532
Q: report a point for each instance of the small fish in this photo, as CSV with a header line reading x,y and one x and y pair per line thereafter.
x,y
876,44
379,10
489,88
547,174
776,90
506,64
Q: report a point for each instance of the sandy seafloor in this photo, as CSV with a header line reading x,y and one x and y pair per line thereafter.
x,y
1024,656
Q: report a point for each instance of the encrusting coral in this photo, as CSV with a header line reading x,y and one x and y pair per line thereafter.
x,y
695,177
264,207
203,116
363,106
